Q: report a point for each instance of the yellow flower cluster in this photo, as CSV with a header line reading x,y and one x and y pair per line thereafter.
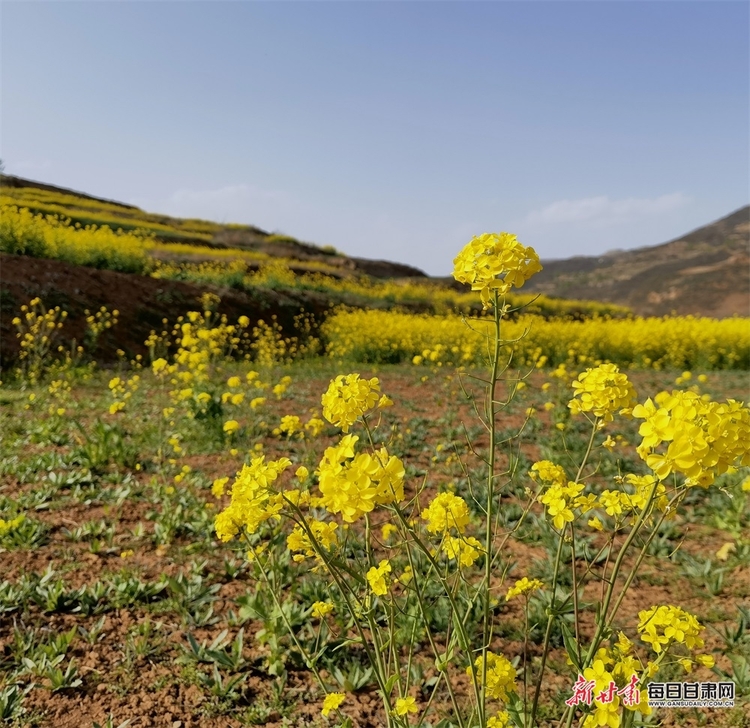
x,y
51,203
465,549
321,609
253,501
200,342
501,676
36,331
377,578
353,484
602,391
11,525
349,397
332,702
560,500
100,321
24,233
404,706
703,438
523,586
122,390
495,261
323,533
661,626
446,511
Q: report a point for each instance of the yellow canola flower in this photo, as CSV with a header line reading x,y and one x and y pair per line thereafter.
x,y
349,397
321,609
602,391
332,702
218,487
290,424
315,426
354,483
446,511
387,531
376,578
648,343
251,502
548,472
495,261
299,540
684,433
660,626
464,549
404,706
11,525
499,720
523,586
605,714
501,676
231,426
560,501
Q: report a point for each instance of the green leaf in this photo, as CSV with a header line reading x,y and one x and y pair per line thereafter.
x,y
571,646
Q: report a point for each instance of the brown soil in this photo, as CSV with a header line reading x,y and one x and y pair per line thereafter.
x,y
151,690
143,302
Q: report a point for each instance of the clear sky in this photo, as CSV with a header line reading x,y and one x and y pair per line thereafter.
x,y
390,129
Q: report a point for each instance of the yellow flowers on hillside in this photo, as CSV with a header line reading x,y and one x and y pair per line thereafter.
x,y
25,233
647,343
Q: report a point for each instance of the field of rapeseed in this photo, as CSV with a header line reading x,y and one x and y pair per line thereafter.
x,y
502,521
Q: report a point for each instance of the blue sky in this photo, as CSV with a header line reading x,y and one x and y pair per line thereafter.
x,y
390,130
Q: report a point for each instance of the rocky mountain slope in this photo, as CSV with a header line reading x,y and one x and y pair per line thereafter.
x,y
705,272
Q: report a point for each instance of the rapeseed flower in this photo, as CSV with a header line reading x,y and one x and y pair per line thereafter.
x,y
446,511
464,549
523,586
349,397
495,261
377,578
321,609
404,706
332,702
501,676
250,504
661,626
602,391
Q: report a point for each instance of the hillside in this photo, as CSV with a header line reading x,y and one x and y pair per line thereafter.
x,y
207,240
705,272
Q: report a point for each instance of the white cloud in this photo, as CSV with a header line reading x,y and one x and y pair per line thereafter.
x,y
602,211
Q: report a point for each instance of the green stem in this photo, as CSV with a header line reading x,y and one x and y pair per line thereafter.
x,y
548,630
489,531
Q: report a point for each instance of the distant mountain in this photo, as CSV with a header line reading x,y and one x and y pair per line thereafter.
x,y
706,272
